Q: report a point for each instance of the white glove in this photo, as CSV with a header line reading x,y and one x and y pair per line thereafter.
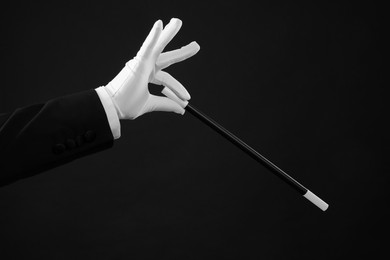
x,y
129,89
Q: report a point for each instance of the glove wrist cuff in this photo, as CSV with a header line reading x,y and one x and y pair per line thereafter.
x,y
111,111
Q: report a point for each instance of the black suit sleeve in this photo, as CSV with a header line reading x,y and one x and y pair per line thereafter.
x,y
43,136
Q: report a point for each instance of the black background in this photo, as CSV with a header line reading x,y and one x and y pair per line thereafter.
x,y
300,82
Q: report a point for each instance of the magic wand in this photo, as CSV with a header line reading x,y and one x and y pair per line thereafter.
x,y
248,150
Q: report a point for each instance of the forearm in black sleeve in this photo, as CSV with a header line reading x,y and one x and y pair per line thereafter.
x,y
43,136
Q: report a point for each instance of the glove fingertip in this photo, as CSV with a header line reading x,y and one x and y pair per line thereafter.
x,y
195,46
176,20
180,110
186,95
176,108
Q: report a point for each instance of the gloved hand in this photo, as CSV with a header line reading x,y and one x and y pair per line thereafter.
x,y
129,89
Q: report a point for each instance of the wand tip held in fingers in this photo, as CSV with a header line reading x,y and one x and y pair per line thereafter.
x,y
316,200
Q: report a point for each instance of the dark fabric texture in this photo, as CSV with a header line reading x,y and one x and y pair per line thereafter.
x,y
39,137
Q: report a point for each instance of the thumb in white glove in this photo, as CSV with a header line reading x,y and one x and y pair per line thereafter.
x,y
129,89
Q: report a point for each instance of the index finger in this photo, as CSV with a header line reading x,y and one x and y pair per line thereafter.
x,y
151,39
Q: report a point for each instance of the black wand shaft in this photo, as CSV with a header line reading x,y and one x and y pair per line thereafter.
x,y
247,149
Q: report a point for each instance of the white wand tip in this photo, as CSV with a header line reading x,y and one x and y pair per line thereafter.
x,y
316,200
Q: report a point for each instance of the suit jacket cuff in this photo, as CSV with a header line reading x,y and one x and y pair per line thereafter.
x,y
111,113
